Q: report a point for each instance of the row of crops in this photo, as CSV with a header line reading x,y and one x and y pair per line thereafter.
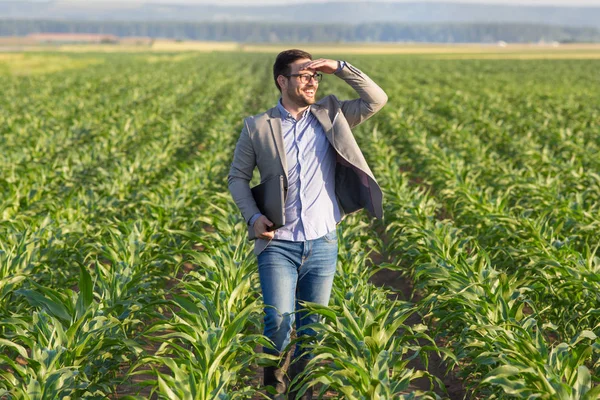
x,y
125,271
505,243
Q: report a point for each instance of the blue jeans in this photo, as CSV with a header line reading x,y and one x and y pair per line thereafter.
x,y
291,272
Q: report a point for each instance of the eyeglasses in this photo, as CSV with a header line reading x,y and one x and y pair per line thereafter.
x,y
305,78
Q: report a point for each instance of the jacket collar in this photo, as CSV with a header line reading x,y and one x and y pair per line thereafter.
x,y
318,110
323,117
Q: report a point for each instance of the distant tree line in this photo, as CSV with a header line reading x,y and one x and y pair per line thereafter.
x,y
254,32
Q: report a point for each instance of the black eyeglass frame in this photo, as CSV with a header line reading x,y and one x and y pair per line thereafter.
x,y
317,76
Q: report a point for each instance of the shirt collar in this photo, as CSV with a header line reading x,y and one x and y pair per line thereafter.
x,y
286,114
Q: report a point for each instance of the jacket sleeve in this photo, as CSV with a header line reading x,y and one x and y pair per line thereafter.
x,y
371,99
240,174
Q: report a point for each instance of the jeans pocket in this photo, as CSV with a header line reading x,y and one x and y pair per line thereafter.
x,y
331,237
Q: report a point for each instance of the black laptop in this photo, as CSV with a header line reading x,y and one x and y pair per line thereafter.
x,y
270,198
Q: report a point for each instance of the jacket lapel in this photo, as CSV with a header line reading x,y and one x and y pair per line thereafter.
x,y
275,124
323,118
276,131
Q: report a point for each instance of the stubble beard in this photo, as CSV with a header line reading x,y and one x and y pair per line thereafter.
x,y
300,99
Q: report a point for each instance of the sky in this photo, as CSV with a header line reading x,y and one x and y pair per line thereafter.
x,y
261,2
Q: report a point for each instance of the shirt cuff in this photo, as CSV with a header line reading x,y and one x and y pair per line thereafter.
x,y
253,219
341,65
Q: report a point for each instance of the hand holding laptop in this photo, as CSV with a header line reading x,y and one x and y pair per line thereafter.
x,y
270,200
261,228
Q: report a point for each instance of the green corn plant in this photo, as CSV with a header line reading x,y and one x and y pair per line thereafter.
x,y
366,351
535,371
67,348
218,357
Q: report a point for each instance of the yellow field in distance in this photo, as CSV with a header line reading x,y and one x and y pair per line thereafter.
x,y
32,64
491,51
444,51
517,51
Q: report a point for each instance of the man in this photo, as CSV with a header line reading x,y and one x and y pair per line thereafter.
x,y
310,144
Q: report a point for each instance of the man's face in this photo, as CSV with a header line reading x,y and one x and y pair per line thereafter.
x,y
302,94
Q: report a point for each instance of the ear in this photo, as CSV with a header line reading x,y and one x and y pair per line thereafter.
x,y
282,80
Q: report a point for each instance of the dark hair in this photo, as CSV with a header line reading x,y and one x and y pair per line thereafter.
x,y
283,61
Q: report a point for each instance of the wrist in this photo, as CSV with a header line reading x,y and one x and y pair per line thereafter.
x,y
253,219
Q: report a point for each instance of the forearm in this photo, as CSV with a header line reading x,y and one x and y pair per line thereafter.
x,y
242,196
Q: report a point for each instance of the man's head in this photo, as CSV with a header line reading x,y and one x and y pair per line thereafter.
x,y
286,70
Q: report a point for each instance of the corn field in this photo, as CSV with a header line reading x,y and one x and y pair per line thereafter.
x,y
124,266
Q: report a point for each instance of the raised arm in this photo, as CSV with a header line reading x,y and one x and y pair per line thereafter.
x,y
371,97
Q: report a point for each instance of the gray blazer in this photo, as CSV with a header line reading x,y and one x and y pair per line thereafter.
x,y
261,145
